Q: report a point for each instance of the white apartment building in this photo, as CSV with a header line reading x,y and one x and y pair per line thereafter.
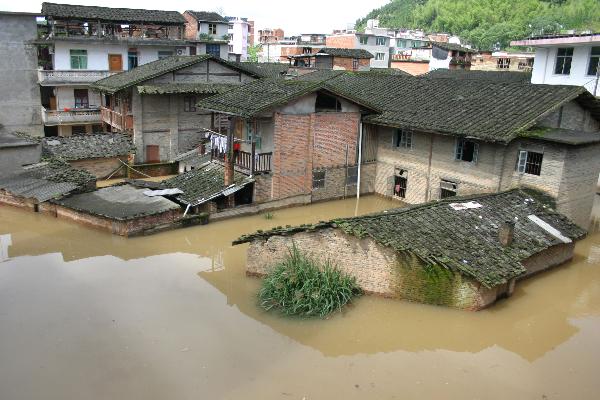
x,y
239,31
83,44
572,59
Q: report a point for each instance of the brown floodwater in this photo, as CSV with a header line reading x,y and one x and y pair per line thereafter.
x,y
88,315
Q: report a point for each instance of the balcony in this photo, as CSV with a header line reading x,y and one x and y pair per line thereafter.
x,y
74,116
243,161
118,121
71,77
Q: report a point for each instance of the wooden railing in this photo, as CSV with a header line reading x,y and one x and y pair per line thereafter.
x,y
117,120
243,159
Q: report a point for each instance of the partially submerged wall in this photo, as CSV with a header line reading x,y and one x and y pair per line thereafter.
x,y
378,270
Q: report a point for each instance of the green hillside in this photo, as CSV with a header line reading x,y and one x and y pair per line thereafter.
x,y
487,24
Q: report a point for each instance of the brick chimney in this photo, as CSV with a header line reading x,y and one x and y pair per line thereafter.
x,y
506,233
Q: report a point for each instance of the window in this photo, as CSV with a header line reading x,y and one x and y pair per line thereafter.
x,y
252,134
448,189
529,162
352,175
326,102
318,179
594,61
363,39
380,56
403,138
503,63
212,29
230,49
132,59
78,59
380,41
564,56
78,130
152,153
81,98
164,54
467,150
354,64
400,182
213,49
189,103
525,64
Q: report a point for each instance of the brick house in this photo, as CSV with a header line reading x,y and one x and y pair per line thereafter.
x,y
334,58
156,103
295,133
208,30
102,155
460,253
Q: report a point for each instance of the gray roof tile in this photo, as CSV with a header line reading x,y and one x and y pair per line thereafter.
x,y
79,147
68,11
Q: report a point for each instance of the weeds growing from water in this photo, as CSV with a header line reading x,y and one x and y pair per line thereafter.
x,y
301,286
268,215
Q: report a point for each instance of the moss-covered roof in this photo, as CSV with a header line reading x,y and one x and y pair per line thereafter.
x,y
207,16
452,47
265,94
155,69
265,69
80,147
346,53
495,76
463,240
94,13
182,88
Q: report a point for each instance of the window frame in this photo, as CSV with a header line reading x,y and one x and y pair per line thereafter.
x,y
80,60
459,150
132,55
528,166
363,39
378,40
444,189
400,181
352,175
319,182
591,61
77,100
212,28
189,104
402,139
355,64
162,54
566,57
503,63
377,58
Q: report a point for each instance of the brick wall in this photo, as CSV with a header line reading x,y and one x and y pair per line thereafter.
x,y
16,201
345,63
378,270
102,167
262,188
335,182
332,132
413,68
191,27
341,41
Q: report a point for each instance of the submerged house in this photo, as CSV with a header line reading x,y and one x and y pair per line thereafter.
x,y
156,103
103,155
464,253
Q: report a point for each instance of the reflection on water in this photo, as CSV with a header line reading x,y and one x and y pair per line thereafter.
x,y
174,316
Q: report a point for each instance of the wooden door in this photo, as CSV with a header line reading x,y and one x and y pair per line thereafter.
x,y
115,62
152,153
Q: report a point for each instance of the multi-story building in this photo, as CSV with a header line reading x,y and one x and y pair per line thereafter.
x,y
20,102
572,59
270,35
503,61
250,33
82,44
280,51
375,40
450,56
239,38
209,31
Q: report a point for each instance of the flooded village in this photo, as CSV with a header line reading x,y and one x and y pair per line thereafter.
x,y
175,209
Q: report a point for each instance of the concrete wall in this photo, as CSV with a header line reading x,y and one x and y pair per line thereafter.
x,y
378,270
13,158
65,97
20,103
545,63
571,116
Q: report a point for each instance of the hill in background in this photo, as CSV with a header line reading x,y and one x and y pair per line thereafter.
x,y
488,24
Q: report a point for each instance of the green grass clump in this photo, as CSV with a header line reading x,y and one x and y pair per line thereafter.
x,y
301,286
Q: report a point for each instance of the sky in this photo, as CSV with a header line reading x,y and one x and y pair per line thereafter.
x,y
312,16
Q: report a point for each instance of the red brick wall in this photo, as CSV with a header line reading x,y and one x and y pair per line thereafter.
x,y
296,155
346,63
341,41
191,27
413,68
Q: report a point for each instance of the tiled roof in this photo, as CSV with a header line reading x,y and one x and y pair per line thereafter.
x,y
46,181
179,88
17,140
155,69
68,11
204,183
79,147
264,94
122,202
350,53
265,69
452,47
207,16
564,136
496,76
481,109
465,241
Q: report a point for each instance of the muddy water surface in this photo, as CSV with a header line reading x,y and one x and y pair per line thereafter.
x,y
87,315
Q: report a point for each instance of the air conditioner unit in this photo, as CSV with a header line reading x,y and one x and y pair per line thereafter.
x,y
181,52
